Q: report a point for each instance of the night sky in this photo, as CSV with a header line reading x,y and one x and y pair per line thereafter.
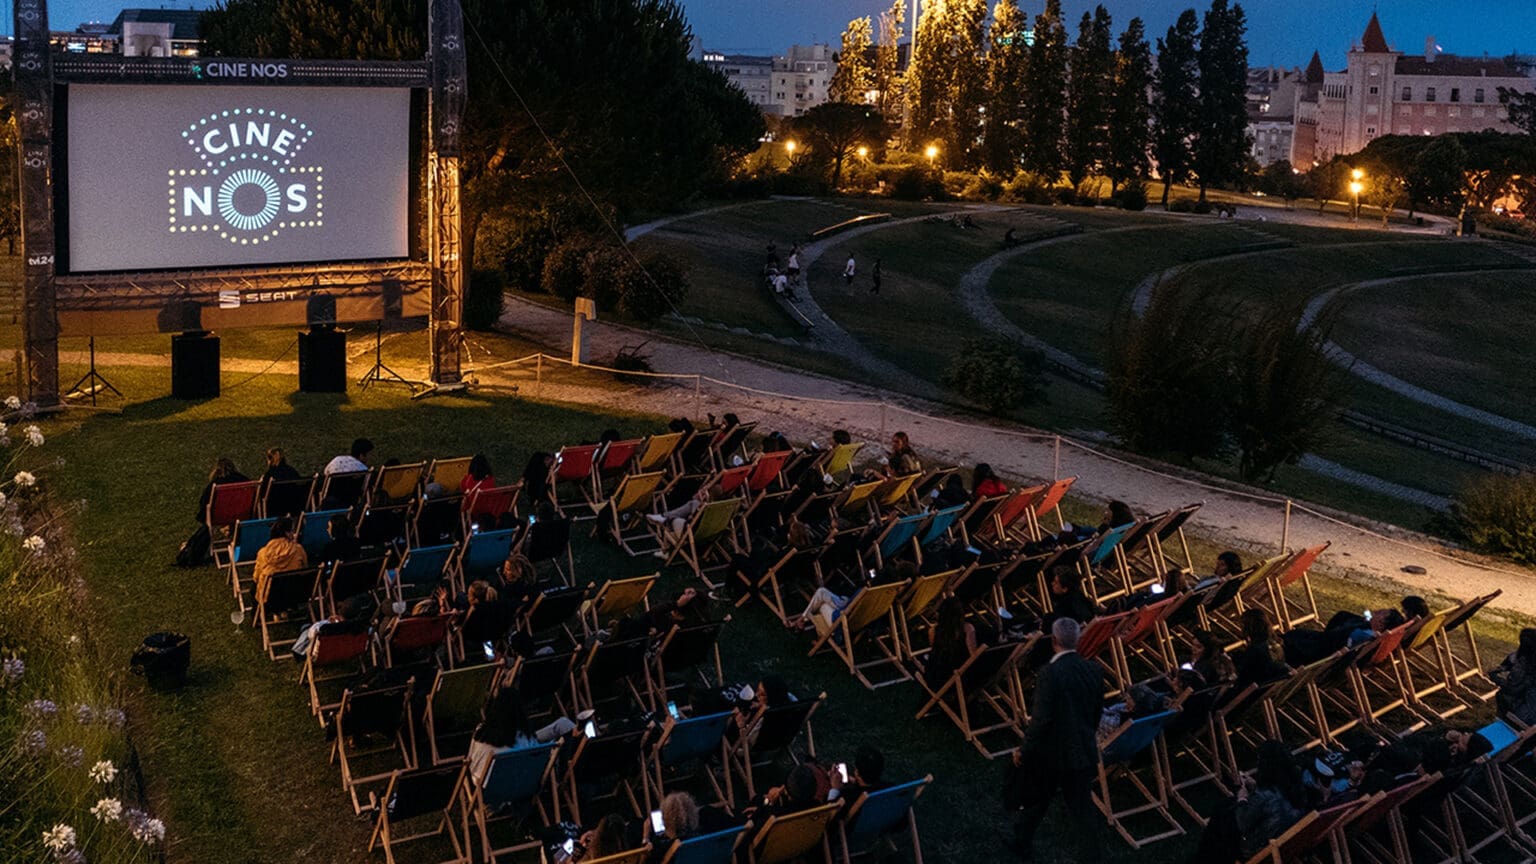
x,y
1282,33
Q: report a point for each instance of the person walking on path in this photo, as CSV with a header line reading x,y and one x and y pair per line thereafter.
x,y
794,264
1060,749
874,278
848,270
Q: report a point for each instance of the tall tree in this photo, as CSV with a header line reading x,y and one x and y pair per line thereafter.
x,y
1130,132
1221,140
833,131
1092,74
887,71
1521,107
1006,57
928,72
1045,94
967,95
855,75
1174,100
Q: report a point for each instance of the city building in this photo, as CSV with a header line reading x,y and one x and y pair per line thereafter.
x,y
157,32
785,86
1271,112
752,75
1386,92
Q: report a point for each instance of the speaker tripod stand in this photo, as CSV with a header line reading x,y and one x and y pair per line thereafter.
x,y
379,373
92,382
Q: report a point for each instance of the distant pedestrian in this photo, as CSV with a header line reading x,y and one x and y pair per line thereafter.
x,y
794,263
874,278
848,271
773,255
780,283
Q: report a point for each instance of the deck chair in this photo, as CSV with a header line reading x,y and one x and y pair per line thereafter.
x,y
334,648
370,724
656,453
794,837
984,696
609,669
709,535
1483,802
487,509
773,733
766,470
514,788
622,514
435,521
979,516
1316,830
1426,678
717,848
853,505
894,492
612,762
550,540
229,503
631,856
839,462
912,613
482,555
314,530
453,708
693,742
1118,760
939,527
408,635
931,482
898,538
726,444
239,554
794,571
1384,812
552,610
342,490
878,814
421,569
1048,504
544,681
287,497
1292,613
448,473
385,524
998,526
292,598
345,579
617,598
614,463
693,453
395,484
857,625
414,796
1466,666
1191,754
1101,585
574,467
1378,680
689,647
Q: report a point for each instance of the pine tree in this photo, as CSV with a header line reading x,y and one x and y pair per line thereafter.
x,y
967,94
855,75
1174,101
887,75
1129,130
927,73
1006,57
1221,141
1092,74
1045,93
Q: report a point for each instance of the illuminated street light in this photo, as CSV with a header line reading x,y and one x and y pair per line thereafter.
x,y
863,152
1355,188
790,146
1356,174
932,152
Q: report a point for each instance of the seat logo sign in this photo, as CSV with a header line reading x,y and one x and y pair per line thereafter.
x,y
250,189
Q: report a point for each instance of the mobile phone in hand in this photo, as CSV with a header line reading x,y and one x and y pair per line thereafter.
x,y
842,771
657,825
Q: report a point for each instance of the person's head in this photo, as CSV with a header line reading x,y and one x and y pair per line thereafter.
x,y
537,468
680,815
1256,626
1386,619
1467,745
1228,563
868,765
1205,645
546,511
1143,699
275,457
1414,607
797,533
339,526
504,719
680,424
982,474
481,591
949,628
1275,768
518,570
1439,755
800,785
841,436
900,443
608,837
1065,579
609,435
282,528
772,692
1174,580
1065,633
355,608
729,420
1119,513
362,449
480,467
223,468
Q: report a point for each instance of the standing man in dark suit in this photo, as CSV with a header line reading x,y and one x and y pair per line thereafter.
x,y
1061,749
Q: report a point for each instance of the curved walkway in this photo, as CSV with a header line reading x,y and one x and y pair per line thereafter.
x,y
635,232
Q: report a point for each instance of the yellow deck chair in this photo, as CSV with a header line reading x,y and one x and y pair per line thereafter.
x,y
856,499
449,473
921,596
793,836
893,492
617,597
840,460
852,628
398,482
657,451
712,526
626,508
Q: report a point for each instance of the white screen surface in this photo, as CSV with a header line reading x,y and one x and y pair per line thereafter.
x,y
167,177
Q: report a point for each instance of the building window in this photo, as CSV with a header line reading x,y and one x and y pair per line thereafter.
x,y
1374,90
1370,130
1407,94
1429,94
1477,95
1455,94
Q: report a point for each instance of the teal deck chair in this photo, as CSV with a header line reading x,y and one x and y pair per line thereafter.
x,y
245,540
899,534
1118,761
716,848
314,531
1108,542
514,781
881,812
484,553
695,739
423,567
942,521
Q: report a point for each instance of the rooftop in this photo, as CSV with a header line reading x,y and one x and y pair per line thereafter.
x,y
184,22
1460,67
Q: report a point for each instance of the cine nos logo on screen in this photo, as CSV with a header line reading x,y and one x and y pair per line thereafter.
x,y
252,188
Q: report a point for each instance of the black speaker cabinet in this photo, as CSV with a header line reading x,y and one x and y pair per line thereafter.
x,y
195,365
322,361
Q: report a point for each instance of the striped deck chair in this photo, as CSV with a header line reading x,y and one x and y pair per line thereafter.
x,y
571,479
793,837
1289,613
415,634
708,536
228,504
421,569
984,697
617,598
716,848
893,493
1048,504
656,453
839,461
513,789
372,726
482,554
453,709
879,814
1144,781
857,625
314,530
394,484
287,497
622,514
795,570
854,502
487,509
416,796
897,538
343,650
728,443
293,600
913,610
342,490
689,746
1320,829
613,464
245,540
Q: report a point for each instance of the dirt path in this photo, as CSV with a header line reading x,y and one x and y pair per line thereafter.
x,y
818,405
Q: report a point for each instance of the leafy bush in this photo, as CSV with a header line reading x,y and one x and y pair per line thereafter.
x,y
1287,390
1201,207
483,299
915,183
983,187
565,268
1133,196
640,291
996,376
1497,514
1066,195
1508,224
1181,205
1028,188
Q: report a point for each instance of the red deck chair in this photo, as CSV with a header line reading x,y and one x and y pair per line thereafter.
x,y
333,649
733,481
1292,614
765,470
415,633
1009,512
230,503
1049,502
486,507
615,461
574,465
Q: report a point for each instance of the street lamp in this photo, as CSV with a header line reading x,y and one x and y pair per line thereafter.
x,y
1355,188
863,152
932,152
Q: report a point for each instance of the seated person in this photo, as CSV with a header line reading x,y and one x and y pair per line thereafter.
x,y
1118,513
673,521
864,775
679,820
985,484
952,494
224,471
1136,702
278,469
1228,564
506,725
487,618
771,692
901,460
610,836
1269,800
343,545
1263,659
281,553
825,606
1068,599
352,613
1210,661
353,461
1344,630
952,640
688,607
478,478
1516,677
798,793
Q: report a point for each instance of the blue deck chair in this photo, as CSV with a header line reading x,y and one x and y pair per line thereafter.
x,y
882,812
716,848
314,531
898,535
1117,761
942,521
512,790
245,540
423,567
484,553
1108,541
694,739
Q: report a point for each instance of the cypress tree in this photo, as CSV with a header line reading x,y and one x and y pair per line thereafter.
x,y
1006,56
1129,132
1092,73
1221,140
1045,94
1174,100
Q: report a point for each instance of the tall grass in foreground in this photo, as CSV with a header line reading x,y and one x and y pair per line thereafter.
x,y
68,785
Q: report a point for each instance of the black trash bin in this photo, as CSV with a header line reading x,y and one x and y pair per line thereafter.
x,y
162,658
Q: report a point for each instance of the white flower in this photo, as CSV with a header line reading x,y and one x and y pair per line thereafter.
x,y
59,838
74,639
13,403
34,436
144,828
108,810
103,772
4,428
12,669
34,544
24,479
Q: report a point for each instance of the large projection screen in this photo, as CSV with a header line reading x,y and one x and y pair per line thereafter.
x,y
179,177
